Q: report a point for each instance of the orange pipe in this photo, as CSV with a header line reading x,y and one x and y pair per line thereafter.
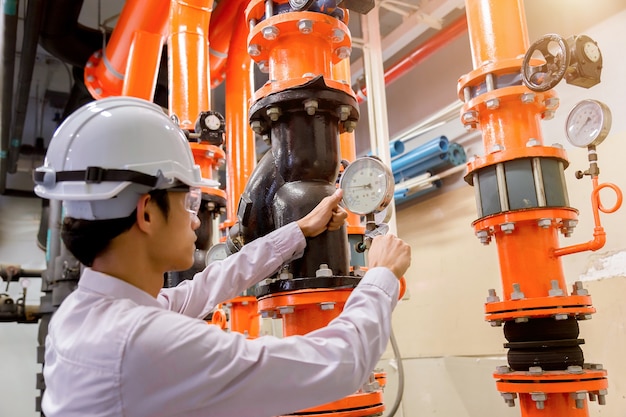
x,y
143,59
306,310
104,75
188,66
534,277
220,32
241,156
244,316
599,236
563,401
347,146
497,30
527,251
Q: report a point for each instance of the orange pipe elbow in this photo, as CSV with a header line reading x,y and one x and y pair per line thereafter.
x,y
143,60
599,235
220,33
105,72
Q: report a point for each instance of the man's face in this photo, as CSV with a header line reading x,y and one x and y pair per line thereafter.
x,y
174,242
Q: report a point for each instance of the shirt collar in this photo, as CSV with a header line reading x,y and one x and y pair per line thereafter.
x,y
110,286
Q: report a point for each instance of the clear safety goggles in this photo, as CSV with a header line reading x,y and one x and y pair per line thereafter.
x,y
193,199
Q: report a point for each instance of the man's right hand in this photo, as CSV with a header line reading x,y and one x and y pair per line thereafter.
x,y
391,252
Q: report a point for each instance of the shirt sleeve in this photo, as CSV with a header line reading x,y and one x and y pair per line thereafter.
x,y
223,280
175,365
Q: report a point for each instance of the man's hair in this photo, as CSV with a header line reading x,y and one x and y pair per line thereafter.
x,y
86,239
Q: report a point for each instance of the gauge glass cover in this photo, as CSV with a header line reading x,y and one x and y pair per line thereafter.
x,y
367,186
217,252
213,122
592,52
588,123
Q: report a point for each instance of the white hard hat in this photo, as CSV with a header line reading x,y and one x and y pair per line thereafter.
x,y
109,152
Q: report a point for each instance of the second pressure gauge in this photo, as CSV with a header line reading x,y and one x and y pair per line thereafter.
x,y
588,123
367,185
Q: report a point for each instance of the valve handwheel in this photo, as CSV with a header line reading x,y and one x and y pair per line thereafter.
x,y
556,56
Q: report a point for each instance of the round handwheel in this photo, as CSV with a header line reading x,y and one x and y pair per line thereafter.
x,y
553,51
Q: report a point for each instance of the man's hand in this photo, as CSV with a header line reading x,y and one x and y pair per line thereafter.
x,y
327,215
391,252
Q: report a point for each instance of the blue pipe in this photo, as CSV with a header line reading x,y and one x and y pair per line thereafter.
x,y
395,149
453,157
400,196
421,153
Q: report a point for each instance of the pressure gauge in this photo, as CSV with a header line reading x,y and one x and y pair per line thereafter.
x,y
216,253
213,122
588,123
367,186
591,51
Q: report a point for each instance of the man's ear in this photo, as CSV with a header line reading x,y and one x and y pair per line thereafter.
x,y
145,213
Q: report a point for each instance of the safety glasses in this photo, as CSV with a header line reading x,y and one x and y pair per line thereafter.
x,y
193,199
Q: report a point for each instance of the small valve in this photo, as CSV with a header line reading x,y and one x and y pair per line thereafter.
x,y
210,127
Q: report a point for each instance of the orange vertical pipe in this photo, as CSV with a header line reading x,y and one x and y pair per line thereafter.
x,y
241,156
497,30
188,61
562,402
516,250
220,32
104,74
308,318
143,60
244,316
347,145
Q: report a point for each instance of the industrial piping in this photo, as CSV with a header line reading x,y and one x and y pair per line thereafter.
x,y
7,72
305,111
34,16
421,53
522,203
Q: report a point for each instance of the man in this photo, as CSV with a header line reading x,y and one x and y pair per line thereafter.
x,y
121,346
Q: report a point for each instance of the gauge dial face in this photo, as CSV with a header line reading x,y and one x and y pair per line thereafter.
x,y
367,186
588,123
592,52
216,253
213,122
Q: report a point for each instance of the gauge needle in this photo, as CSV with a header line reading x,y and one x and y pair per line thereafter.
x,y
360,186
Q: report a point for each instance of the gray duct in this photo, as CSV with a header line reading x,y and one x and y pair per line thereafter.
x,y
32,23
7,73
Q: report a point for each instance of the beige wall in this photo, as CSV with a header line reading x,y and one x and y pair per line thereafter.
x,y
449,351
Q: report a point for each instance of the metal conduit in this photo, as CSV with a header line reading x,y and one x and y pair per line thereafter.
x,y
7,72
34,15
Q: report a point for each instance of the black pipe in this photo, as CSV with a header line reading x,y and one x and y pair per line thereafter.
x,y
9,39
64,37
34,16
299,172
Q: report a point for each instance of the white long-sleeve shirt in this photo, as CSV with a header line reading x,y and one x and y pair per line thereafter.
x,y
114,350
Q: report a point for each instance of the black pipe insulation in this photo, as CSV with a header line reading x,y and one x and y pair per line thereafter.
x,y
32,23
7,72
64,37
